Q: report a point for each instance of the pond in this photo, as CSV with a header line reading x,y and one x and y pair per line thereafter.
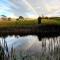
x,y
31,47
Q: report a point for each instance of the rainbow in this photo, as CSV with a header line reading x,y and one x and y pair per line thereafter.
x,y
30,6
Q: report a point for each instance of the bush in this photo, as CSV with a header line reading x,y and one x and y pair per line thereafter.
x,y
39,20
9,18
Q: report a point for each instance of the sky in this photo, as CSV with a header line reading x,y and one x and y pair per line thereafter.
x,y
29,8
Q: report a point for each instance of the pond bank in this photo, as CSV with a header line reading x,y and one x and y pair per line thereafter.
x,y
40,30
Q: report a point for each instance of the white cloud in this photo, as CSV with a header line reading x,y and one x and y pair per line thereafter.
x,y
32,7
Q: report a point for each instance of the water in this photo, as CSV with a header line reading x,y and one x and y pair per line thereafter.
x,y
17,41
30,46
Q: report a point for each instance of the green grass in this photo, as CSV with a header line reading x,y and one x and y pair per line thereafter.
x,y
6,23
15,23
49,21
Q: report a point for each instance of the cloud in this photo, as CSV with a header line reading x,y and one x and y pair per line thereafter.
x,y
30,7
52,7
24,42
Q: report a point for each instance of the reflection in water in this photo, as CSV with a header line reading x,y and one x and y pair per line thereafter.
x,y
31,45
28,41
21,42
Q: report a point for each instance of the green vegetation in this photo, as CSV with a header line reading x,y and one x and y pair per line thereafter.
x,y
28,22
17,23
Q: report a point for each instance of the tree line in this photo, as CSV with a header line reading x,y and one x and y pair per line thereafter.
x,y
3,17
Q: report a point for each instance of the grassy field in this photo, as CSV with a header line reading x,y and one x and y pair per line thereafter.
x,y
6,23
15,23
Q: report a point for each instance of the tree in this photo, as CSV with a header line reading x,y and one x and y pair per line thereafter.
x,y
20,17
46,17
4,17
17,19
9,18
39,20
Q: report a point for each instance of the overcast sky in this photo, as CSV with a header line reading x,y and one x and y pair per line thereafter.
x,y
30,8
